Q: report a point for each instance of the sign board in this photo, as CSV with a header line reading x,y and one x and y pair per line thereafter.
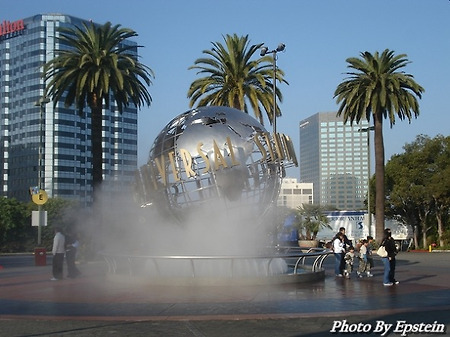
x,y
39,218
10,29
356,224
39,197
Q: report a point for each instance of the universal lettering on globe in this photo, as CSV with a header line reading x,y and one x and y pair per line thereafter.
x,y
214,155
283,146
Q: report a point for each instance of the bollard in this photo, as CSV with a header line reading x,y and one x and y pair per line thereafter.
x,y
40,257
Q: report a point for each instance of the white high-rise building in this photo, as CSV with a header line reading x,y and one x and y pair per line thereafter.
x,y
66,170
334,157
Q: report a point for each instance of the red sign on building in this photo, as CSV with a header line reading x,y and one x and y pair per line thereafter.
x,y
7,28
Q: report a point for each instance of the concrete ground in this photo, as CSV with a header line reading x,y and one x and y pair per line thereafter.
x,y
96,304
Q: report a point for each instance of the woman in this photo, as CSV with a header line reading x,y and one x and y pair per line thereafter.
x,y
339,251
389,261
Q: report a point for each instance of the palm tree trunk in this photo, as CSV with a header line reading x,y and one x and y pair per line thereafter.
x,y
97,151
379,176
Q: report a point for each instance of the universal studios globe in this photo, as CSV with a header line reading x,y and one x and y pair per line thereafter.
x,y
214,156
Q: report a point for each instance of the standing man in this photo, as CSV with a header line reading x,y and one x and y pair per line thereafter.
x,y
347,242
339,252
58,251
72,244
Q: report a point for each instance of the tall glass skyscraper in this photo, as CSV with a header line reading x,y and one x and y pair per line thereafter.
x,y
334,157
62,134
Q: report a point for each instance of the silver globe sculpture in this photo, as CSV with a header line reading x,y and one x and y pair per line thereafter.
x,y
214,155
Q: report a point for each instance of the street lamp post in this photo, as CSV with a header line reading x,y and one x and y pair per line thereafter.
x,y
368,129
41,104
264,51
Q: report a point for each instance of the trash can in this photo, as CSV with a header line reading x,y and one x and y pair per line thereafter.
x,y
40,257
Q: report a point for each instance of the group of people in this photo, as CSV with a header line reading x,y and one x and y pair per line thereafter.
x,y
345,256
64,246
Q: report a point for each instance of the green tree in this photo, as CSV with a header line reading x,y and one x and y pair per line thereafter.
x,y
418,186
406,193
15,225
94,62
440,191
60,213
232,79
310,220
400,204
378,88
16,232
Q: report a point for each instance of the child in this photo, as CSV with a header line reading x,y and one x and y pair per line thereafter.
x,y
348,258
364,266
369,255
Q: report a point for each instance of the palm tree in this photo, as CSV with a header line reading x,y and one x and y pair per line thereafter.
x,y
93,63
310,220
377,87
233,80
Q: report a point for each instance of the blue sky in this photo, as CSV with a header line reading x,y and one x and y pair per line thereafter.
x,y
319,36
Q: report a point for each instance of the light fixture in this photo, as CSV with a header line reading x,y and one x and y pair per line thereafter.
x,y
265,50
281,47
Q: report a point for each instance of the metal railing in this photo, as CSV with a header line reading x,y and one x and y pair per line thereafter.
x,y
297,259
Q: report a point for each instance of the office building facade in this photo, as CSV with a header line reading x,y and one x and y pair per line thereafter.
x,y
293,194
335,157
49,146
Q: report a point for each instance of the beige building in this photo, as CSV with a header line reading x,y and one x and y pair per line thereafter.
x,y
293,194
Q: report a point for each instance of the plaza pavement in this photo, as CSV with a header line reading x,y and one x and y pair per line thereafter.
x,y
97,305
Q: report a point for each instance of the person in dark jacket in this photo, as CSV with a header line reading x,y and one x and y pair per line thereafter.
x,y
71,253
347,243
389,261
